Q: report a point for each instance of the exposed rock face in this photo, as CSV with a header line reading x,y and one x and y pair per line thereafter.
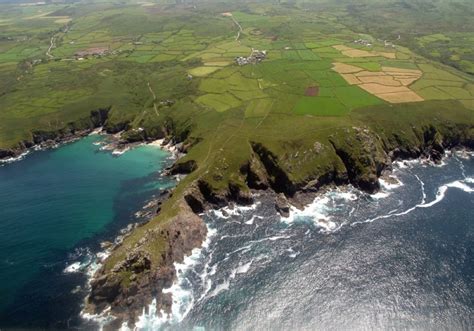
x,y
275,175
257,177
6,153
116,127
185,167
282,205
134,282
363,155
97,118
200,197
136,135
357,155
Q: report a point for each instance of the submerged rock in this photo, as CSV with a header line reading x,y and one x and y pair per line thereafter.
x,y
282,205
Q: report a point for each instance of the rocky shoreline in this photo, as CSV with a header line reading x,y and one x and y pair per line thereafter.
x,y
142,263
116,144
41,139
129,286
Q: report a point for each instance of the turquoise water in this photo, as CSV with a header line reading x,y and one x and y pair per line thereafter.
x,y
57,202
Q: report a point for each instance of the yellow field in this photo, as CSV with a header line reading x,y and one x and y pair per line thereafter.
x,y
353,52
390,84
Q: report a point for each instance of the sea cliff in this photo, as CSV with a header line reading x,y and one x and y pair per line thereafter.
x,y
143,264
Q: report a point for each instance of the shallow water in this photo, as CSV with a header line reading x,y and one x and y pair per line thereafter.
x,y
56,207
403,258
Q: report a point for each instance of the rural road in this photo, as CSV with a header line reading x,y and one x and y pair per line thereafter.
x,y
154,98
240,27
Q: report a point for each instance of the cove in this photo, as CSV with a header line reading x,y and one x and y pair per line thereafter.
x,y
57,205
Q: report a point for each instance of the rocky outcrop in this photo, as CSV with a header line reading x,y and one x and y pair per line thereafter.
x,y
357,155
112,127
132,283
72,130
274,175
201,196
138,134
183,167
7,153
363,155
282,205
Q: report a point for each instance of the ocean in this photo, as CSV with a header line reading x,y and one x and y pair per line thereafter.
x,y
399,259
402,258
57,206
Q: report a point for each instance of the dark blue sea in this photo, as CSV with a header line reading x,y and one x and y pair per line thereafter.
x,y
400,259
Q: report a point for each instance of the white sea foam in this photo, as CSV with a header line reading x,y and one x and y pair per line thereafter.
x,y
208,270
252,220
440,195
225,285
14,159
181,291
326,225
406,164
88,264
227,212
101,319
97,263
242,269
219,288
464,154
248,208
219,213
380,195
118,152
73,268
318,212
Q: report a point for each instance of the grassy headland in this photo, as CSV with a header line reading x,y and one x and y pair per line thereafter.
x,y
329,104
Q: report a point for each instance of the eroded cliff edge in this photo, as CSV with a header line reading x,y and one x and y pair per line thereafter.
x,y
293,167
228,156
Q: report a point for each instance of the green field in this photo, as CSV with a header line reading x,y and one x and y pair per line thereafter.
x,y
45,85
167,70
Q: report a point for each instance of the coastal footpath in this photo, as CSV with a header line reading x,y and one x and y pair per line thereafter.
x,y
142,266
292,170
303,99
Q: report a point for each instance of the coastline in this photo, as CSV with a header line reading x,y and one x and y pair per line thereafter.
x,y
20,154
128,277
163,310
154,316
40,140
113,146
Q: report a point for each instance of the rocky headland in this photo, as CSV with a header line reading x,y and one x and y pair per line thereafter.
x,y
218,168
143,265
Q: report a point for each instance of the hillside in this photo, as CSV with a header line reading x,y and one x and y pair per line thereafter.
x,y
318,100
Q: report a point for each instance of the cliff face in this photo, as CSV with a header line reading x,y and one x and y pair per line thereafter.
x,y
229,158
359,156
97,118
132,283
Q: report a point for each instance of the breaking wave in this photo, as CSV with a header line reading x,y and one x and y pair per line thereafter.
x,y
245,239
181,291
14,159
